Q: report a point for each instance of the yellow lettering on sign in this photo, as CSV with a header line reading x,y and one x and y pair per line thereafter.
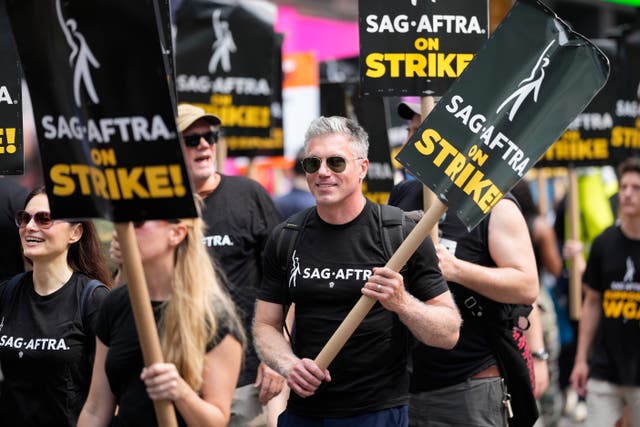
x,y
274,142
221,99
143,182
433,64
459,169
9,135
625,137
250,116
571,146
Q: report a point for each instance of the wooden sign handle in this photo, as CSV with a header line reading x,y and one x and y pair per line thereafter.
x,y
364,304
143,314
427,103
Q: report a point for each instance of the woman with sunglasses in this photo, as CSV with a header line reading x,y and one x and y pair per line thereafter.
x,y
47,318
200,336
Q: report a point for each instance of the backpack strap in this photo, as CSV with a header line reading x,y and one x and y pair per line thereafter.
x,y
289,234
285,245
91,286
391,221
10,286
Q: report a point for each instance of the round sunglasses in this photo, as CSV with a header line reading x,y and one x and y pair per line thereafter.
x,y
336,163
194,139
42,219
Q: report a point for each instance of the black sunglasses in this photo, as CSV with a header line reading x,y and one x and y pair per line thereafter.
x,y
194,140
336,163
42,219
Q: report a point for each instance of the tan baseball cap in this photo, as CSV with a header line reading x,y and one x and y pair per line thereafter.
x,y
188,114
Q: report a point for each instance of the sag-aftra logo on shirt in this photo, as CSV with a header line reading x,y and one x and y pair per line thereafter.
x,y
325,273
623,299
45,344
218,240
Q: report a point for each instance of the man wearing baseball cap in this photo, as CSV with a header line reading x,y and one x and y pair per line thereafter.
x,y
409,111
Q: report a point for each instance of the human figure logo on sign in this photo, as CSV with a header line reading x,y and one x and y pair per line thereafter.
x,y
81,54
223,46
531,85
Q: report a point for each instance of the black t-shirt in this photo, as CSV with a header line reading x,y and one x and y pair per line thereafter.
x,y
12,198
239,215
124,362
332,263
434,368
613,269
46,352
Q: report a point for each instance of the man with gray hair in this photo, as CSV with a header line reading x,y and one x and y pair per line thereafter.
x,y
336,257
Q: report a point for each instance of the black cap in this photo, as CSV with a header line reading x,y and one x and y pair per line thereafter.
x,y
407,110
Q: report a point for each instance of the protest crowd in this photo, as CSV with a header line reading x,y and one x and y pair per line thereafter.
x,y
406,260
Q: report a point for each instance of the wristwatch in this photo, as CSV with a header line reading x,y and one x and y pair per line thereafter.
x,y
541,354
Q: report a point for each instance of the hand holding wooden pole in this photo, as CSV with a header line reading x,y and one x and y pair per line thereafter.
x,y
143,314
365,303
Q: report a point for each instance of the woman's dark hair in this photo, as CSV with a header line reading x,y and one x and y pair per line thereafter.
x,y
86,255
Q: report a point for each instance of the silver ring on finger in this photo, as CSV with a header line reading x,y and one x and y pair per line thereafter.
x,y
379,288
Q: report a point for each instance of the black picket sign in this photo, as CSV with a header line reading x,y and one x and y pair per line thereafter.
x,y
11,135
515,98
104,117
410,47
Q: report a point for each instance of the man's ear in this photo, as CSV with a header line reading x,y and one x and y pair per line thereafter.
x,y
364,164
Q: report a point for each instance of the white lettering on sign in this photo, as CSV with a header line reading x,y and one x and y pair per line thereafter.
x,y
476,123
456,24
5,97
125,129
236,85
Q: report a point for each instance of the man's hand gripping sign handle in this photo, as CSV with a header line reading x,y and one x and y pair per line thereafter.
x,y
365,303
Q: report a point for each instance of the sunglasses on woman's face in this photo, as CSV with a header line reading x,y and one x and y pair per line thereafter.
x,y
42,219
336,163
194,139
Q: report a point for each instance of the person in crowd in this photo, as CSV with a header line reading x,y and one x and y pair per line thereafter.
x,y
549,261
337,258
200,336
607,362
299,197
491,272
239,214
48,317
574,406
12,196
410,111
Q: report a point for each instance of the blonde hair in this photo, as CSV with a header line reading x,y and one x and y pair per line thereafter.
x,y
190,318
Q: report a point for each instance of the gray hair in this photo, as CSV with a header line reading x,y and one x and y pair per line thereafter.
x,y
340,125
